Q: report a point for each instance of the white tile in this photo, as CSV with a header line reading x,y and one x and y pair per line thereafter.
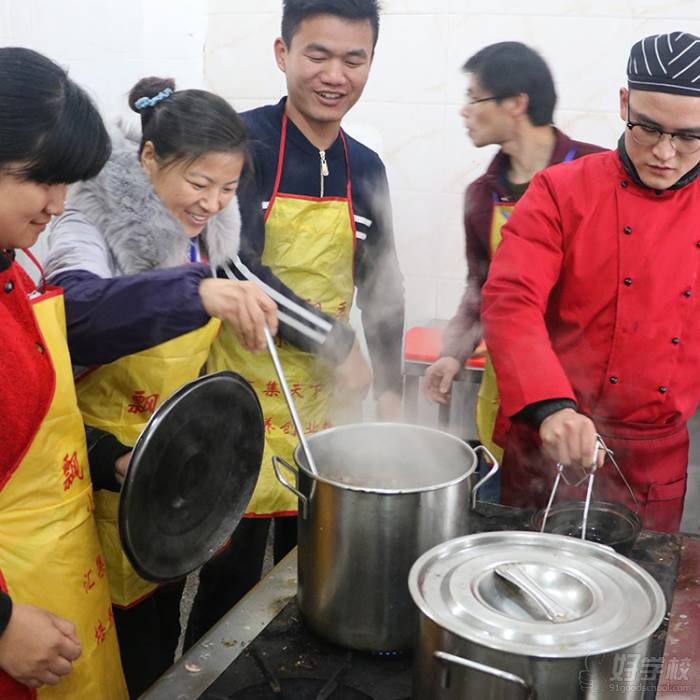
x,y
181,29
414,7
245,7
365,132
662,9
449,293
243,105
239,60
65,31
421,294
543,7
410,61
602,129
108,82
412,139
418,218
451,254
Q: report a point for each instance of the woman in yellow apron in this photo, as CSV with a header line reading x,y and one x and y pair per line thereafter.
x,y
57,633
134,252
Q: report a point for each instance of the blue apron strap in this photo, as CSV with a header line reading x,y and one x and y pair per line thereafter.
x,y
570,155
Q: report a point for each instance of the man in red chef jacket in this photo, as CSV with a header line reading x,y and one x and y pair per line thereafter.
x,y
590,308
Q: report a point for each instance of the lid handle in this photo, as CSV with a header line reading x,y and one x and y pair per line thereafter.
x,y
515,574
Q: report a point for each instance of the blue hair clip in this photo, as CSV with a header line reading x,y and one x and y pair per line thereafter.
x,y
144,102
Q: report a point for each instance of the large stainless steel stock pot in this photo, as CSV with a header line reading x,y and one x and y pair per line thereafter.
x,y
384,494
514,615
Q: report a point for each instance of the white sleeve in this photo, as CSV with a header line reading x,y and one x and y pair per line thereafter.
x,y
74,243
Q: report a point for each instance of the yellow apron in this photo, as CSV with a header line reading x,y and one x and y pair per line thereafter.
x,y
487,400
50,554
119,398
309,245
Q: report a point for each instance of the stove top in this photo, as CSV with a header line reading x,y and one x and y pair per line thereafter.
x,y
274,656
287,662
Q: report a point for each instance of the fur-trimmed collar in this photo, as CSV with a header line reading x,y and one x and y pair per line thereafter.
x,y
139,231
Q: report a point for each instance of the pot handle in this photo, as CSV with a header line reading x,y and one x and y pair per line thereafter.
x,y
496,466
483,668
277,463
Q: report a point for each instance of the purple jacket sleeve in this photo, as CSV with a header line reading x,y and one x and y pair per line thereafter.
x,y
110,318
463,332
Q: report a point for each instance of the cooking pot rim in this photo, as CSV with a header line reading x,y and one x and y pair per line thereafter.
x,y
298,459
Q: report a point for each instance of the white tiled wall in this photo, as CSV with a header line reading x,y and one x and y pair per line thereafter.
x,y
107,46
411,103
409,111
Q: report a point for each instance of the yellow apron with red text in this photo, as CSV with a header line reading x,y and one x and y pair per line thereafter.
x,y
487,399
309,246
119,398
50,554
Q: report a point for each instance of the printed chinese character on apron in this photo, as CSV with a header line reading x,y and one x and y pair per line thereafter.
x,y
119,398
487,400
309,246
50,555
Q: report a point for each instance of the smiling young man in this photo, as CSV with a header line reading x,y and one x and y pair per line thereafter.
x,y
510,102
316,229
590,310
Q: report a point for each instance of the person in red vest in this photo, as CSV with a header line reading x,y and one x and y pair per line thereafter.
x,y
57,633
590,307
510,103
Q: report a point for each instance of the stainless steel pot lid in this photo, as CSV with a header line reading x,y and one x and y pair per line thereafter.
x,y
191,476
537,594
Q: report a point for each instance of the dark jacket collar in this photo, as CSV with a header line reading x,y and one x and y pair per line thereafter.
x,y
295,136
499,166
7,257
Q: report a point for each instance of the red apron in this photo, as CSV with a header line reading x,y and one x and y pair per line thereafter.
x,y
654,462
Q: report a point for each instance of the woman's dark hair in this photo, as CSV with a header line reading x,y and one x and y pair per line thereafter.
x,y
510,68
186,124
50,130
294,12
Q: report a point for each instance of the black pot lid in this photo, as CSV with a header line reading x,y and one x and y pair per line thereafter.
x,y
191,476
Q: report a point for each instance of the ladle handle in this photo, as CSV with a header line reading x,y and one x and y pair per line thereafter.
x,y
516,575
290,401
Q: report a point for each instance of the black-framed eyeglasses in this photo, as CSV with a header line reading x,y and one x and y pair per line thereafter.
x,y
648,135
487,99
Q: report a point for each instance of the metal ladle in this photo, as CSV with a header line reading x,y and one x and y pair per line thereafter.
x,y
290,401
283,383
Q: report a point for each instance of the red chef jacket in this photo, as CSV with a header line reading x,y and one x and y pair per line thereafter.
x,y
591,296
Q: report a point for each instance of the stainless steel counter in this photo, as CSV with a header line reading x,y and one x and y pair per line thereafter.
x,y
196,670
